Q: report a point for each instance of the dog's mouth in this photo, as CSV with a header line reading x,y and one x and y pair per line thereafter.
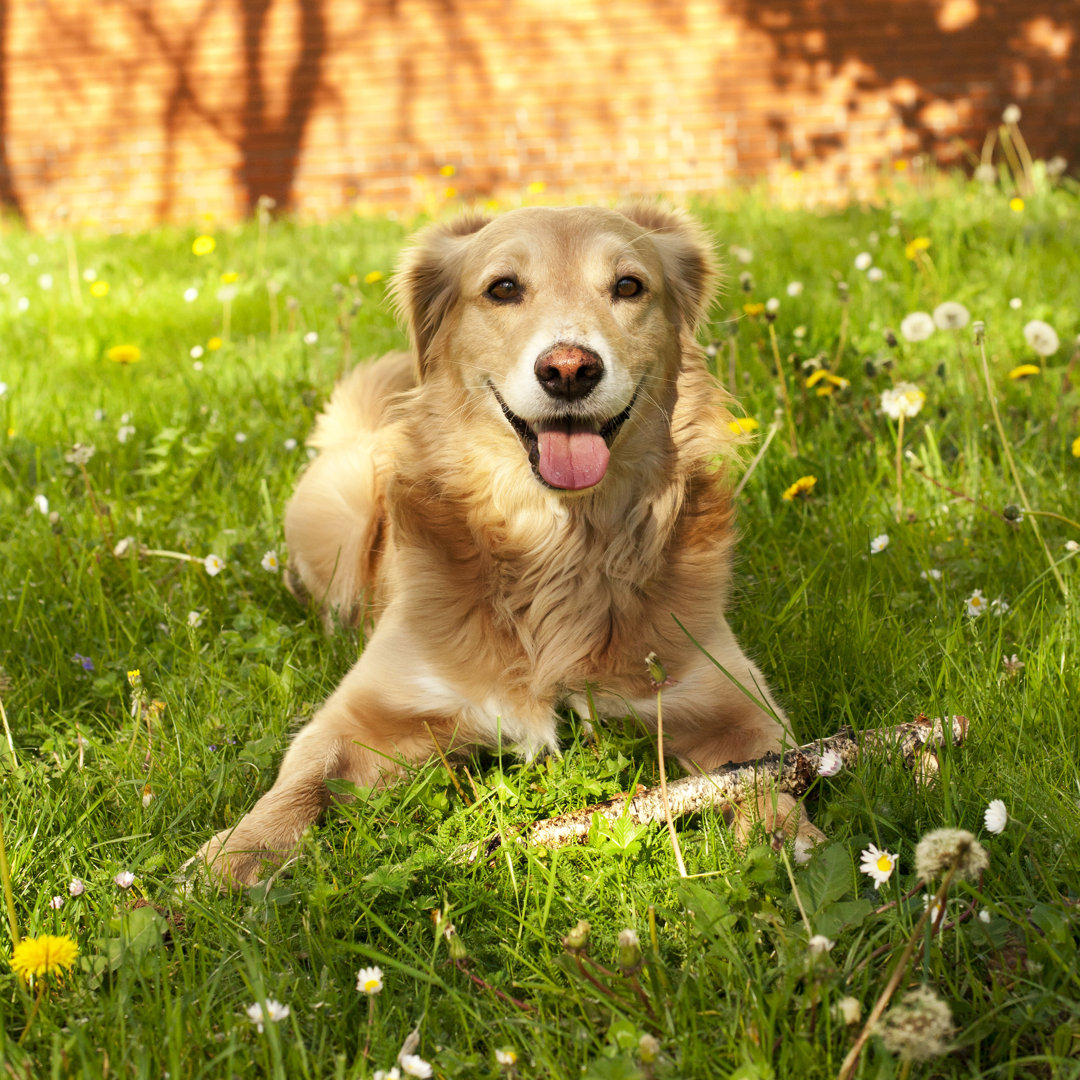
x,y
567,453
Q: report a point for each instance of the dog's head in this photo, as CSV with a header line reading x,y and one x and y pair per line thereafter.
x,y
559,323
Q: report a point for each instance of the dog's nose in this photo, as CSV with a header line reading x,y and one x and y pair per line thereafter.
x,y
568,371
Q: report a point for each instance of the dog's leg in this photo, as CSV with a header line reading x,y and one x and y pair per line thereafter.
x,y
363,733
713,719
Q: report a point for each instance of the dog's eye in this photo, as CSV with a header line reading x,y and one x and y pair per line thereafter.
x,y
504,289
626,287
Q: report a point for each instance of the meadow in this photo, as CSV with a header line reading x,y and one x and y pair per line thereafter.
x,y
156,393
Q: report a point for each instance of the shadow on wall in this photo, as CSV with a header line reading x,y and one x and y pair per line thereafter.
x,y
9,198
977,54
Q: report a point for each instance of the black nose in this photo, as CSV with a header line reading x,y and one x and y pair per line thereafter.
x,y
568,371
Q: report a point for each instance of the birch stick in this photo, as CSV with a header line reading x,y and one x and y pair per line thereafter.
x,y
793,772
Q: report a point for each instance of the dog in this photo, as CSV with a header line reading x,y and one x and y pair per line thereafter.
x,y
518,507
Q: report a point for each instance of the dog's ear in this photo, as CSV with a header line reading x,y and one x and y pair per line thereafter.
x,y
688,255
426,277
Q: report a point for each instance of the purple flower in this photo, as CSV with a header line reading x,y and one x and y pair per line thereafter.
x,y
85,661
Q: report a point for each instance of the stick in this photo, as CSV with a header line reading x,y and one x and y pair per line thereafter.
x,y
793,772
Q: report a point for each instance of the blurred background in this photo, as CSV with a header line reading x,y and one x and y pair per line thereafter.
x,y
128,112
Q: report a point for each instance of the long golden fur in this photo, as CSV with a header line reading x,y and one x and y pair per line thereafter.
x,y
464,504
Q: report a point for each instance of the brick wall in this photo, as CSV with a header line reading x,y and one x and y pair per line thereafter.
x,y
123,112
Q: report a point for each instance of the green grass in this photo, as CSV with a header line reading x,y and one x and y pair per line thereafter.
x,y
845,637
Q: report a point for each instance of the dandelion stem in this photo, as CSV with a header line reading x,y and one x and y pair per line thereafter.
x,y
7,734
843,337
784,391
33,1011
9,896
900,468
663,787
1007,449
795,892
849,1063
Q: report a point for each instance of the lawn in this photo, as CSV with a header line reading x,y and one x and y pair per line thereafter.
x,y
153,414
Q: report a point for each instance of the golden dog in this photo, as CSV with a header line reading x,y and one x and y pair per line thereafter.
x,y
520,506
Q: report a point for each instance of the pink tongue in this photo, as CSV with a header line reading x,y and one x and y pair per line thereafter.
x,y
572,459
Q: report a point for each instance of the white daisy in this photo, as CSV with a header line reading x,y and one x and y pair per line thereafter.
x,y
995,817
933,574
213,564
270,563
794,288
976,604
879,543
369,980
903,399
831,763
819,944
270,1012
878,865
864,260
412,1065
875,273
999,606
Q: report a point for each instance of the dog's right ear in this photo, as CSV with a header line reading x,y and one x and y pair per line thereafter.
x,y
426,279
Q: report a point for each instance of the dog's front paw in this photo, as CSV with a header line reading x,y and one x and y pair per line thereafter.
x,y
235,859
776,812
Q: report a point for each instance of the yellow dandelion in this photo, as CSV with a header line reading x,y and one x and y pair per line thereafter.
x,y
45,955
372,276
825,391
900,165
230,277
491,205
912,249
816,377
1024,370
743,425
124,354
537,187
753,309
203,245
447,170
450,192
213,344
1075,445
800,489
1016,205
99,288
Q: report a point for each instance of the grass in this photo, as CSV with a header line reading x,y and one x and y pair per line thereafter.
x,y
728,986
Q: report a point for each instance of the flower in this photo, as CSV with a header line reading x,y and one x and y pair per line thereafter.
x,y
945,849
831,763
800,489
879,543
917,326
213,565
124,879
903,399
46,955
369,980
995,816
214,344
919,1028
875,273
1011,114
1076,447
373,276
1022,371
56,903
741,254
1071,546
976,604
951,316
920,243
743,425
819,944
311,337
412,1065
935,910
506,1058
795,288
1013,665
195,352
387,1074
753,309
878,865
848,1010
124,354
191,294
1016,303
933,574
42,503
270,562
84,661
864,260
76,887
270,1012
203,245
999,605
99,289
984,915
1042,337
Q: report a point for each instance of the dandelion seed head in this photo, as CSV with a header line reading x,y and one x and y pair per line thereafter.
x,y
1041,337
917,326
942,849
919,1027
951,316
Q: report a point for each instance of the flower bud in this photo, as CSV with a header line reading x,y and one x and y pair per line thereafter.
x,y
629,952
578,938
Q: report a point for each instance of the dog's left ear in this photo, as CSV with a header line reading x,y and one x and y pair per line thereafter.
x,y
688,255
426,278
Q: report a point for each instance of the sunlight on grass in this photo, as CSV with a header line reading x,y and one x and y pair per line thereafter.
x,y
890,565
